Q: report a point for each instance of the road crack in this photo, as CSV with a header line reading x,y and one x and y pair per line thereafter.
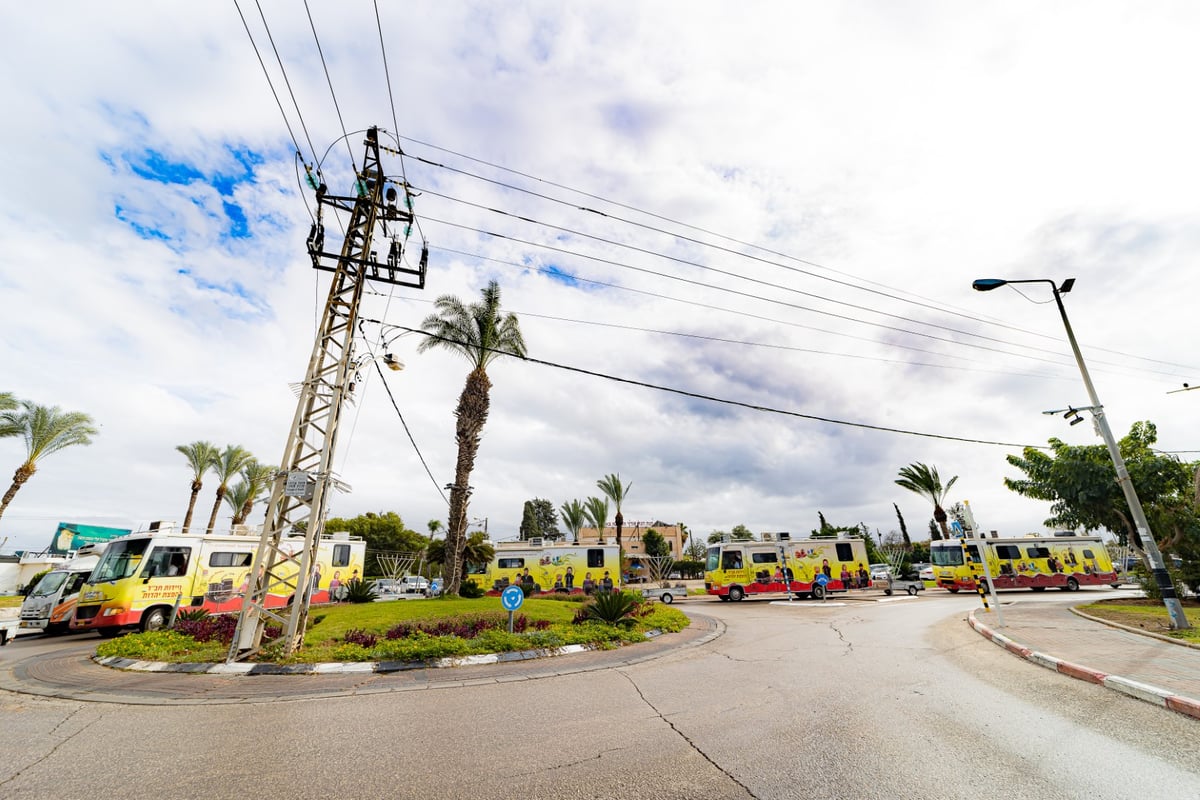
x,y
685,737
54,749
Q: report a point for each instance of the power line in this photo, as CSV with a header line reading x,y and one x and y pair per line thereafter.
x,y
713,399
768,345
737,292
282,71
391,397
727,238
332,93
789,323
267,75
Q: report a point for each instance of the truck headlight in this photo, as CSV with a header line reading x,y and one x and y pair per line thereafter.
x,y
110,612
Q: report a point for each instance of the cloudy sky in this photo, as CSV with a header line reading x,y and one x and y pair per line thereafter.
x,y
794,200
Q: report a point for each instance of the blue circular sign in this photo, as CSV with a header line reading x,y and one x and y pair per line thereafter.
x,y
821,579
511,598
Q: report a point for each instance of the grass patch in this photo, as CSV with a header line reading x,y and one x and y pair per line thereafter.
x,y
359,632
1147,615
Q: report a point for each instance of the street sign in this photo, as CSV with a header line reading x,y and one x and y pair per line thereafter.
x,y
512,598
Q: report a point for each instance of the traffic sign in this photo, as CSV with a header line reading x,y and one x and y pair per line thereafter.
x,y
512,598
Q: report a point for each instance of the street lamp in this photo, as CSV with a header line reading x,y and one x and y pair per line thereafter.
x,y
1157,566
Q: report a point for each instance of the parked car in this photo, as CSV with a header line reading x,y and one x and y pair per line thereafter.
x,y
926,572
880,572
408,586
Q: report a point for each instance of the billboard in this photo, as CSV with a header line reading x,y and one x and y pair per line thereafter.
x,y
72,536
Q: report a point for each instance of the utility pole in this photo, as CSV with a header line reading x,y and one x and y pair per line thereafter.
x,y
281,586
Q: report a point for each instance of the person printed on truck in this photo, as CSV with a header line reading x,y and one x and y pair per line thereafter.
x,y
606,583
825,568
335,585
570,579
845,576
864,577
589,585
558,584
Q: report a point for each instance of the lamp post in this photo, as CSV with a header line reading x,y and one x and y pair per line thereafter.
x,y
1157,566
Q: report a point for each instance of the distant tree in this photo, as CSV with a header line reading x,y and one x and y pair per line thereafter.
x,y
200,456
933,530
7,403
574,516
539,519
655,544
741,533
923,480
615,491
225,465
434,526
383,532
596,511
46,430
1081,484
717,536
529,523
695,550
476,551
903,527
257,478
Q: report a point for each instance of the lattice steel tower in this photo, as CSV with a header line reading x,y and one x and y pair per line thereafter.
x,y
295,514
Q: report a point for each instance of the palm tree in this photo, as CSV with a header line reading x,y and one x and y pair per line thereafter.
x,y
573,517
616,492
199,456
480,333
237,497
47,429
226,464
596,510
924,481
255,477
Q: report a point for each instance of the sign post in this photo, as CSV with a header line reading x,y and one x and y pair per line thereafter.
x,y
511,598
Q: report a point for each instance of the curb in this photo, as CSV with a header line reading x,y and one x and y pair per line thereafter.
x,y
1131,688
1139,631
239,669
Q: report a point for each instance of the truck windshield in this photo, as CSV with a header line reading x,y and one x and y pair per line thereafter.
x,y
946,556
714,559
120,560
50,583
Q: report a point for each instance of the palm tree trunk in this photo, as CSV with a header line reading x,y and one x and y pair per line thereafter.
x,y
212,521
619,520
472,413
23,473
187,520
939,516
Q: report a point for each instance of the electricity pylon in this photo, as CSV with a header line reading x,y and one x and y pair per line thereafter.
x,y
295,516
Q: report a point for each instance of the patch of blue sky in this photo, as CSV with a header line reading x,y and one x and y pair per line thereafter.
x,y
152,165
144,231
558,275
249,306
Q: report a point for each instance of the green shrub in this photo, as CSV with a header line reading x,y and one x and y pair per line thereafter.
x,y
359,591
1150,586
164,645
613,608
470,590
190,614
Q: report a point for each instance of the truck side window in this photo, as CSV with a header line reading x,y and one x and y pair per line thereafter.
x,y
731,559
341,555
845,552
595,558
166,562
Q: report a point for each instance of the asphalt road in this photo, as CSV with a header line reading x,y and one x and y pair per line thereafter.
x,y
864,700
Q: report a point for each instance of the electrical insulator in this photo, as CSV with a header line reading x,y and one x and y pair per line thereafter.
x,y
394,254
309,178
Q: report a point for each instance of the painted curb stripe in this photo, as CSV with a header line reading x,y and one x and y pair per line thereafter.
x,y
1184,705
1136,690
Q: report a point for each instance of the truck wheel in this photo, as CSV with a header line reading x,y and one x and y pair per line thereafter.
x,y
109,632
56,629
952,590
736,594
1037,588
912,590
666,598
888,592
1072,585
724,598
154,619
818,592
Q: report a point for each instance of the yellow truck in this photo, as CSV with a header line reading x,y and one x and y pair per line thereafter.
x,y
804,567
1029,562
143,577
550,567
